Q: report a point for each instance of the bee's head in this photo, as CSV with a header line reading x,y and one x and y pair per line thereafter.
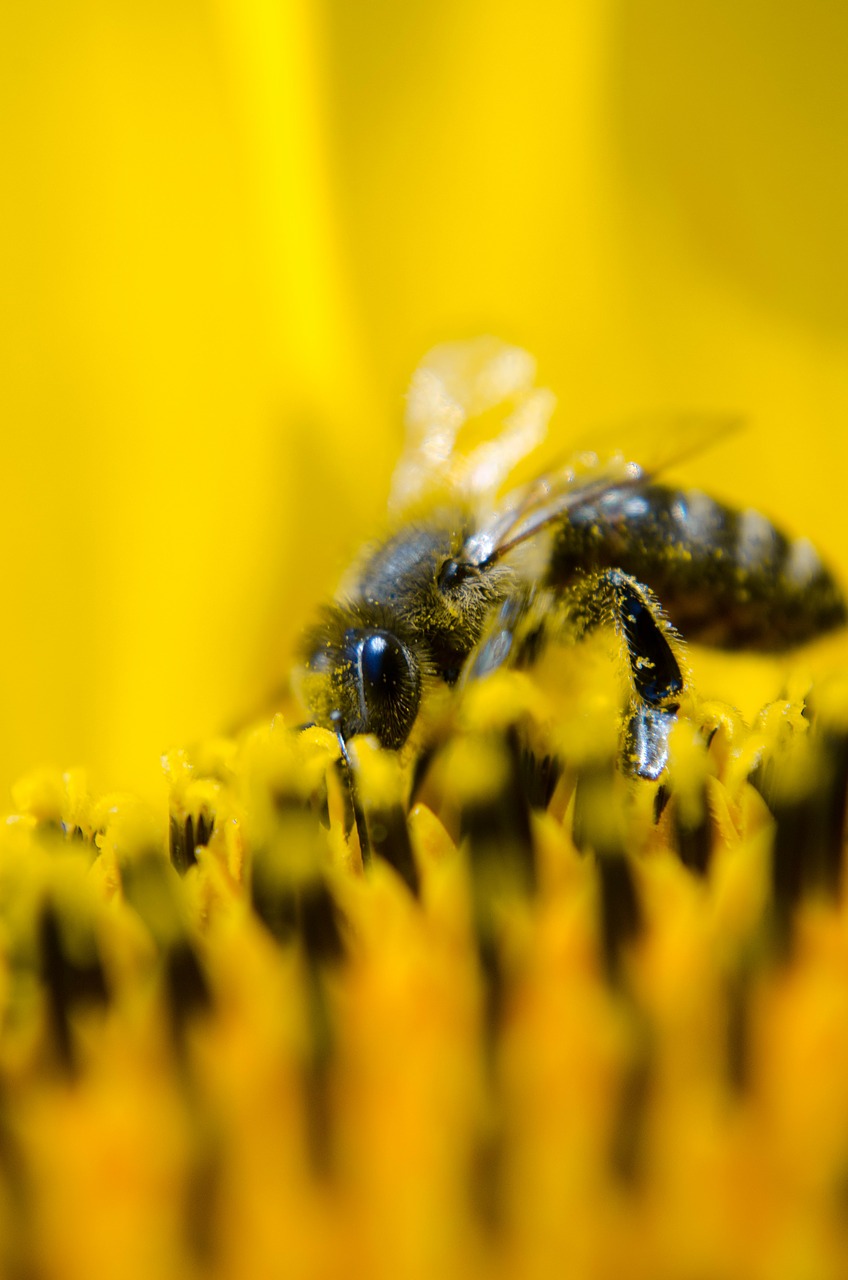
x,y
361,678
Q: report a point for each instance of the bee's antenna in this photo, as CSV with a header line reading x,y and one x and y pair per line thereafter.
x,y
336,721
356,814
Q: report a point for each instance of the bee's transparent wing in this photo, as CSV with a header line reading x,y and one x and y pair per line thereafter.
x,y
457,386
659,442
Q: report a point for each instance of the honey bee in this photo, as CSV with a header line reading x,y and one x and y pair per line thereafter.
x,y
476,585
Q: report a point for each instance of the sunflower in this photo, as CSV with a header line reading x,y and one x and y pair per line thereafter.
x,y
258,1020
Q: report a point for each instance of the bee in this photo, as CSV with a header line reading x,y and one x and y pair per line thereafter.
x,y
477,585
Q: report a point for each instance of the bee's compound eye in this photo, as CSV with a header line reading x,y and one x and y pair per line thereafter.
x,y
380,661
389,686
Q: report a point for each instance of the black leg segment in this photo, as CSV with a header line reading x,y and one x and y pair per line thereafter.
x,y
655,675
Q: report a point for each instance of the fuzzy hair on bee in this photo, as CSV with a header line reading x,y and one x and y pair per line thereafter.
x,y
479,581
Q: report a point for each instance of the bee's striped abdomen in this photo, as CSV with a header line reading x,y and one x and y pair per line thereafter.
x,y
726,578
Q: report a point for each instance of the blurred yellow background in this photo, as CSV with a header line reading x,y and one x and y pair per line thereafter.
x,y
230,230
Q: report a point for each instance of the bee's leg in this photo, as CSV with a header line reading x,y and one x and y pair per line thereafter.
x,y
610,597
524,623
645,747
509,637
517,630
656,677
